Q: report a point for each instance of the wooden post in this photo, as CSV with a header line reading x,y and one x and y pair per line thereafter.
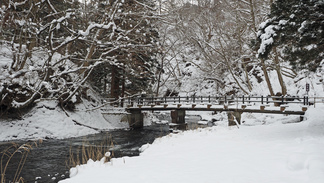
x,y
282,99
261,99
304,108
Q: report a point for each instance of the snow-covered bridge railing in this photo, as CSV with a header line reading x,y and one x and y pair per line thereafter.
x,y
233,105
219,100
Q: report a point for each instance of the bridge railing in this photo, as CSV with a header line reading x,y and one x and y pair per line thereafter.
x,y
217,100
316,100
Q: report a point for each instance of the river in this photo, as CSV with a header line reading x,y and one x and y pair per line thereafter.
x,y
48,162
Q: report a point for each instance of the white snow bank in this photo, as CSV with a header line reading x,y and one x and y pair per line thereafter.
x,y
315,117
276,152
47,120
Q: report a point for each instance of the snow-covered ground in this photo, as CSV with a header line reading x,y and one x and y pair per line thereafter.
x,y
47,120
266,150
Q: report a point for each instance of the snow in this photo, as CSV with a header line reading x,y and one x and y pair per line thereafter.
x,y
96,25
48,120
267,37
311,46
275,152
265,148
302,26
283,22
5,60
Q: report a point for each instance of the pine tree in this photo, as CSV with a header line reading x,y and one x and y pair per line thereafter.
x,y
297,27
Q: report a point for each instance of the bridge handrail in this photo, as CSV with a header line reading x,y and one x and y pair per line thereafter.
x,y
219,100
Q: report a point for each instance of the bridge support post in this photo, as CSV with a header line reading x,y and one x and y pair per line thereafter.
x,y
178,116
135,119
234,115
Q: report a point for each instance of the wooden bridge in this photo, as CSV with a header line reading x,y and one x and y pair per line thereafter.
x,y
233,105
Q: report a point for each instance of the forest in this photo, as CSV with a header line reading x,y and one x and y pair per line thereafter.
x,y
62,49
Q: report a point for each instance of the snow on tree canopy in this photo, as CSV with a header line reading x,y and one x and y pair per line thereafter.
x,y
267,38
291,27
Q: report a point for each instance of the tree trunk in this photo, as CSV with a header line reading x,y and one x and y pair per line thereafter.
x,y
123,89
114,92
245,64
266,76
105,86
252,14
278,70
159,78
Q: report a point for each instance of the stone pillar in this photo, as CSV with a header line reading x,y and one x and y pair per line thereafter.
x,y
233,115
181,116
135,119
178,116
174,116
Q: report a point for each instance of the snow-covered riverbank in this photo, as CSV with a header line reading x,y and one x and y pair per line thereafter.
x,y
272,151
47,120
265,148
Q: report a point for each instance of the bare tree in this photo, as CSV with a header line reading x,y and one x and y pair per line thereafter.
x,y
221,32
54,51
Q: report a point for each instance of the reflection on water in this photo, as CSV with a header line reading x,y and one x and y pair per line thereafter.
x,y
48,162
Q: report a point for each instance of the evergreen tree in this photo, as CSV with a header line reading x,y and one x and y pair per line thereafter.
x,y
297,28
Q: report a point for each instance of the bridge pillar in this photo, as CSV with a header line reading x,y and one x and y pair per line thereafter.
x,y
178,116
135,119
234,115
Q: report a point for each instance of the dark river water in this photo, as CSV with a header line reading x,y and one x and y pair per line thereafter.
x,y
48,162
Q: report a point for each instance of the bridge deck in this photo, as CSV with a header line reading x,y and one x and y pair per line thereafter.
x,y
234,106
216,109
178,111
